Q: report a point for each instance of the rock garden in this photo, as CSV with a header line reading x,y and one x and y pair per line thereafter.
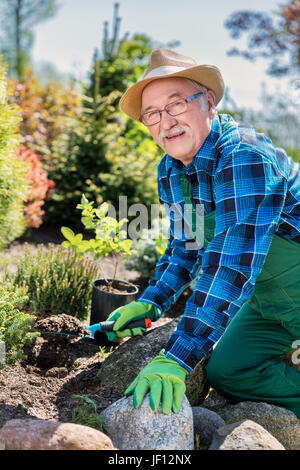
x,y
63,391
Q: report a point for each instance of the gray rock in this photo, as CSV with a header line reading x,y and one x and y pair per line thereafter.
x,y
280,422
123,365
206,422
245,435
144,429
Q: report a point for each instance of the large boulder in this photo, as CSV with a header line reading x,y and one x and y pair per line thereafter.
x,y
144,429
123,365
38,434
245,435
280,422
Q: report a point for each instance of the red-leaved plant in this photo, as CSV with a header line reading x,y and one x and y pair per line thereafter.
x,y
40,190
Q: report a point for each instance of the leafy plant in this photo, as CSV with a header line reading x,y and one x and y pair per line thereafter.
x,y
104,353
56,281
86,413
15,326
109,236
48,115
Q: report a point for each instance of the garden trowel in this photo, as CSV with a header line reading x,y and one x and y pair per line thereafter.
x,y
100,338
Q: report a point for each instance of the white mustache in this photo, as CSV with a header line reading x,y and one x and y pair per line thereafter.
x,y
175,131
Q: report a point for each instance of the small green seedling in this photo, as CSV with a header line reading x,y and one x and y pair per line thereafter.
x,y
109,236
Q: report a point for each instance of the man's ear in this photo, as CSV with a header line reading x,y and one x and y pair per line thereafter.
x,y
211,102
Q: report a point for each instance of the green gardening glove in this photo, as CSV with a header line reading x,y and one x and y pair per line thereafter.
x,y
128,313
165,379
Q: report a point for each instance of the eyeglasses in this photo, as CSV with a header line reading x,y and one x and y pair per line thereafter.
x,y
173,109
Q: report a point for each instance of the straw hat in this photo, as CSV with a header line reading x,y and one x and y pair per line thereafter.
x,y
166,64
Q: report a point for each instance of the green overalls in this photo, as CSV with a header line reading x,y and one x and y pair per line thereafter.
x,y
247,362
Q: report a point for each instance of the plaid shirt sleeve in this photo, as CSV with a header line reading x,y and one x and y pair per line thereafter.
x,y
175,271
249,193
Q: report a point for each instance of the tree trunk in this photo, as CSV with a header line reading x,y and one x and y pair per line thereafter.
x,y
19,65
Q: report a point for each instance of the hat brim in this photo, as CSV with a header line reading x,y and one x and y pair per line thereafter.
x,y
208,75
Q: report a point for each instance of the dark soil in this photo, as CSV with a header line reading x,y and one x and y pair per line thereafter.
x,y
57,367
60,366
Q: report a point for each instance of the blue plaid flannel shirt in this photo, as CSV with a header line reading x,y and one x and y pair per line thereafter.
x,y
254,190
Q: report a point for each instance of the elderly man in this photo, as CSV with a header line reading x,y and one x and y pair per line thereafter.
x,y
246,300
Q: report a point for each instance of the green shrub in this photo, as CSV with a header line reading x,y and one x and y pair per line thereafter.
x,y
13,184
56,281
15,325
79,160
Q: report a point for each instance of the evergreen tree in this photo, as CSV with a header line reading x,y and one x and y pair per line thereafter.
x,y
121,60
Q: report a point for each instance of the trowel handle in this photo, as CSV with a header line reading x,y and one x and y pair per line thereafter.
x,y
109,325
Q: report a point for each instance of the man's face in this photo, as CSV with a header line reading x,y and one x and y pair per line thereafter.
x,y
183,135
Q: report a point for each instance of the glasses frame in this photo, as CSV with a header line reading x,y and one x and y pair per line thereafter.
x,y
187,100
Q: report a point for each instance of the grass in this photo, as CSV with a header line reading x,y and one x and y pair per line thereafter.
x,y
85,413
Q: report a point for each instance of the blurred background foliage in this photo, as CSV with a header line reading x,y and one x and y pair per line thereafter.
x,y
17,20
64,140
13,171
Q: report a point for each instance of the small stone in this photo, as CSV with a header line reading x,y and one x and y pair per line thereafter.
x,y
245,435
144,429
124,363
38,434
206,422
57,372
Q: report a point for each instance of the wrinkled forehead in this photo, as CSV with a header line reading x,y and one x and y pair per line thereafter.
x,y
160,91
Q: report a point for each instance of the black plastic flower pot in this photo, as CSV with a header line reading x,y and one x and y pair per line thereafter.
x,y
104,302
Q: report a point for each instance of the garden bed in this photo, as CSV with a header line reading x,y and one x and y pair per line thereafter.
x,y
57,366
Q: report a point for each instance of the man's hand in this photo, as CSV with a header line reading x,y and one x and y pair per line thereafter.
x,y
165,379
126,314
